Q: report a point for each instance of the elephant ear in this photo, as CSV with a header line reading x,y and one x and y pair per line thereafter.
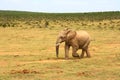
x,y
71,34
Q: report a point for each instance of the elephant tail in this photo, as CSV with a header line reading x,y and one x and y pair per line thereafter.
x,y
86,43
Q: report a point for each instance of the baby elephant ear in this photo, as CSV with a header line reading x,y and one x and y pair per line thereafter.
x,y
71,34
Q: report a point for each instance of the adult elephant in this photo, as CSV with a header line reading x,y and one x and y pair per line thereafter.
x,y
76,39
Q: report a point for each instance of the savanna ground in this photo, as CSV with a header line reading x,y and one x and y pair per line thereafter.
x,y
29,53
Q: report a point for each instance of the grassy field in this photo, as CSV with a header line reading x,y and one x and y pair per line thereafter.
x,y
28,53
95,20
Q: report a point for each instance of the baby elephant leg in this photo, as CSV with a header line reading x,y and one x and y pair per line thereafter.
x,y
82,54
74,54
88,53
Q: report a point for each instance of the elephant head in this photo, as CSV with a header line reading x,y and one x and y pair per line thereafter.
x,y
64,36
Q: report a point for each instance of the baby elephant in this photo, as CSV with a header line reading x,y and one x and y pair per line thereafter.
x,y
76,39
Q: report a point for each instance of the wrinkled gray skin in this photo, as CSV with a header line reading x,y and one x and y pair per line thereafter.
x,y
75,39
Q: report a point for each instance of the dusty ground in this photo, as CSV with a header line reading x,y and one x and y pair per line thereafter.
x,y
25,54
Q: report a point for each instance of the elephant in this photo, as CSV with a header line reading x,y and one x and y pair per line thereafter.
x,y
76,40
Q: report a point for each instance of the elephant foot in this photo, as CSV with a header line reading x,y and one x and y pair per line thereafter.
x,y
75,55
66,58
89,56
86,56
81,57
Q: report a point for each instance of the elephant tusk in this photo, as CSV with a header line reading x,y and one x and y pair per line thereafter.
x,y
57,44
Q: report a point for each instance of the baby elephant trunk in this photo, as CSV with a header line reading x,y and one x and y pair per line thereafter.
x,y
57,46
57,50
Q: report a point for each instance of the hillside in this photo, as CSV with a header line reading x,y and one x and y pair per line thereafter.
x,y
35,19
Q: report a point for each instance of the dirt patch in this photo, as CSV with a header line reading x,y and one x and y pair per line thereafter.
x,y
82,74
87,73
42,61
20,63
24,71
112,45
3,63
13,53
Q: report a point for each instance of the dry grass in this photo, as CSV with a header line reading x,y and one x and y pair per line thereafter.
x,y
29,54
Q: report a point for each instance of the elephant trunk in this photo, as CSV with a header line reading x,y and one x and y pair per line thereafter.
x,y
58,42
57,50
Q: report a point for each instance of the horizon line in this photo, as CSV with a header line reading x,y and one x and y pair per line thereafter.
x,y
61,12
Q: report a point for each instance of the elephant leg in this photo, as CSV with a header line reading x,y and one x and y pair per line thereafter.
x,y
88,53
74,50
82,54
